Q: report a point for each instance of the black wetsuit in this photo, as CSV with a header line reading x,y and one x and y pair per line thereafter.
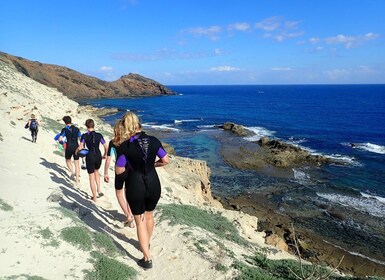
x,y
142,184
92,140
72,133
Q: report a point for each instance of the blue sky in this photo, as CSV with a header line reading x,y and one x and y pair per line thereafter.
x,y
199,42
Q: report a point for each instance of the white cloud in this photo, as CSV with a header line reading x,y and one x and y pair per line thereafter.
x,y
269,24
218,51
351,41
239,26
106,68
211,32
281,69
314,40
278,29
224,69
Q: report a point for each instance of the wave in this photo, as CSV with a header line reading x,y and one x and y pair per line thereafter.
x,y
164,127
259,132
373,205
344,159
300,175
355,253
296,141
208,126
369,147
183,121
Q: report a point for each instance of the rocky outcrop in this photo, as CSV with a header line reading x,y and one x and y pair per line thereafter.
x,y
281,154
266,153
237,129
194,176
79,86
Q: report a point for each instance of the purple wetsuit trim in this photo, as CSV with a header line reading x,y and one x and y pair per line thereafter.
x,y
121,161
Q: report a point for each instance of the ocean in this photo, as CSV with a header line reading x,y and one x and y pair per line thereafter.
x,y
345,122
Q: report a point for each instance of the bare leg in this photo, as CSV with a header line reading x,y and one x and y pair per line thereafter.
x,y
92,186
123,203
143,237
77,170
150,224
97,180
69,166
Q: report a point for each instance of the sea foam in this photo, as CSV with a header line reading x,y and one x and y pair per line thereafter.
x,y
373,205
259,132
369,147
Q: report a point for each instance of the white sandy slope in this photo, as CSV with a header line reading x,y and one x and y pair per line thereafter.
x,y
35,183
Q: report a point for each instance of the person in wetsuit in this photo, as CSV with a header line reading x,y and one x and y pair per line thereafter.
x,y
143,187
70,135
120,171
92,139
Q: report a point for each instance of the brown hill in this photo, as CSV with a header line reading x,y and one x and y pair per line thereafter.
x,y
79,86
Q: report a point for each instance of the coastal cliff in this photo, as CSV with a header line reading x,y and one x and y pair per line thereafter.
x,y
78,86
34,177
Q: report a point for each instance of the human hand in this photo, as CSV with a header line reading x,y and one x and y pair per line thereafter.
x,y
106,178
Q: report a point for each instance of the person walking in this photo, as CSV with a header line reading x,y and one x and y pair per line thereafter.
x,y
143,153
92,139
70,135
120,171
33,125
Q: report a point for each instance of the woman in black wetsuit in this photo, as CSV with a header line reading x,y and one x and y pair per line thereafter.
x,y
143,185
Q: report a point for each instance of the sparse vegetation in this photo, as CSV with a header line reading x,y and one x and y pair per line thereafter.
x,y
49,238
78,236
13,123
5,206
50,124
108,269
105,243
195,217
24,276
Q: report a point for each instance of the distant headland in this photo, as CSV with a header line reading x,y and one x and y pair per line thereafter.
x,y
79,86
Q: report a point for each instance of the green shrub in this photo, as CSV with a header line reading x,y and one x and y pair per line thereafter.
x,y
78,236
108,269
105,243
195,217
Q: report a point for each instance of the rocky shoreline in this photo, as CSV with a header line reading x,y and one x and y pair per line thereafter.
x,y
318,225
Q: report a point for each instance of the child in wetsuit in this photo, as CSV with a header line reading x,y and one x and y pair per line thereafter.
x,y
92,139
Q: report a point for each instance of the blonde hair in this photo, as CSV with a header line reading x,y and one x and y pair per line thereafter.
x,y
118,133
131,123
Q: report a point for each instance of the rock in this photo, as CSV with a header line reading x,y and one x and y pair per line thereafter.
x,y
277,242
237,129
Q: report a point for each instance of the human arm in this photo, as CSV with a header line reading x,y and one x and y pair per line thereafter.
x,y
162,161
105,151
106,167
80,147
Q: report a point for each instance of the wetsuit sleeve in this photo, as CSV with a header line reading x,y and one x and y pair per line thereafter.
x,y
110,146
63,133
161,152
83,138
